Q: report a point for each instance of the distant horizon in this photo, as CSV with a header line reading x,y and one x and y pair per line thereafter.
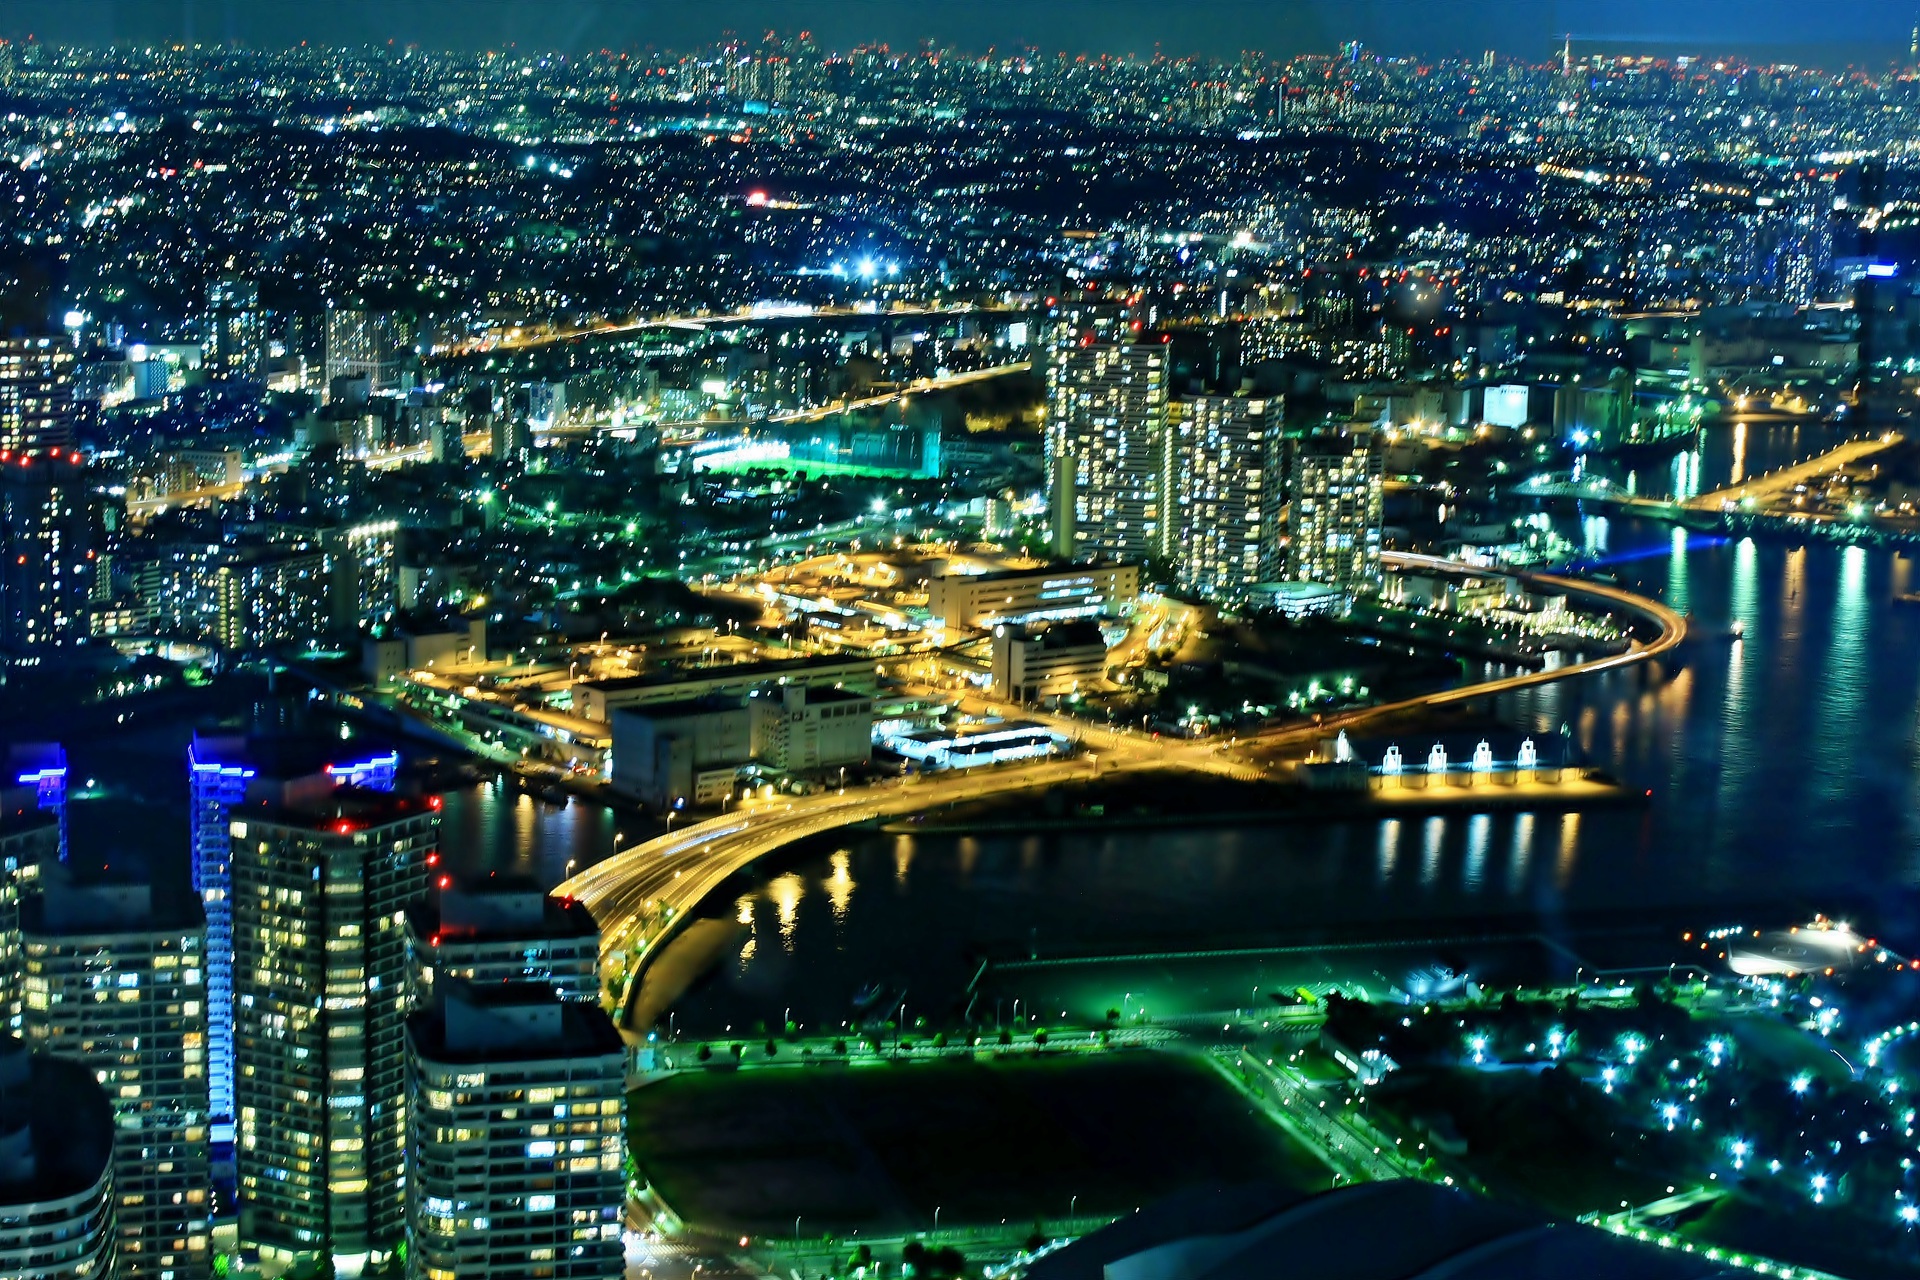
x,y
1768,31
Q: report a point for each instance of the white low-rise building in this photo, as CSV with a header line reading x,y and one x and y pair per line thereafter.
x,y
979,602
989,742
1029,665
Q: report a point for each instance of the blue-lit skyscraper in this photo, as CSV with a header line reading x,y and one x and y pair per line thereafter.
x,y
42,767
222,770
218,782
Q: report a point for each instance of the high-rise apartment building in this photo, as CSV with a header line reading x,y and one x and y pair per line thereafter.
x,y
47,552
514,1137
56,1169
1230,466
1107,449
493,933
234,333
36,392
369,345
320,889
33,839
120,987
271,595
1336,497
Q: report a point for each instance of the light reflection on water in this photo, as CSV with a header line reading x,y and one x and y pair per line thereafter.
x,y
840,885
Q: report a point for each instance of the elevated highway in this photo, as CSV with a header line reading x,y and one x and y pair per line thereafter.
x,y
1708,510
690,323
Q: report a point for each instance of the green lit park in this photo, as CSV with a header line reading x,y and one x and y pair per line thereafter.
x,y
877,1148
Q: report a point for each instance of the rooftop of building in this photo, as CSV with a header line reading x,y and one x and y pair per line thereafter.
x,y
982,731
22,816
710,704
341,812
1070,634
509,908
419,625
18,464
287,755
745,672
822,695
1043,571
56,1126
78,901
509,1022
1398,1230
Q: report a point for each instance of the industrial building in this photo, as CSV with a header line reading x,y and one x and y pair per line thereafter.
x,y
393,650
599,699
982,601
691,753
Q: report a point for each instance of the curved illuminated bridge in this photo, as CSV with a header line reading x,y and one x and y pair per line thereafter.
x,y
640,895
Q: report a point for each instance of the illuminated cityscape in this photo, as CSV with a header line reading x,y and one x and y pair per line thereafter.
x,y
1016,651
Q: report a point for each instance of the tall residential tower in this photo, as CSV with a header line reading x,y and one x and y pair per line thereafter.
x,y
121,988
1336,499
320,891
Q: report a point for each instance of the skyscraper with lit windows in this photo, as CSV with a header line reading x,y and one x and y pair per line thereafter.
x,y
1229,463
1336,498
47,552
225,773
514,1136
112,983
234,334
320,888
36,392
1107,449
365,345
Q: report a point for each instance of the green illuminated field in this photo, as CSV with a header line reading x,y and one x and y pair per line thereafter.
x,y
877,1148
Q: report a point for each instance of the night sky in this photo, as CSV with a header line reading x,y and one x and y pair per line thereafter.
x,y
1827,31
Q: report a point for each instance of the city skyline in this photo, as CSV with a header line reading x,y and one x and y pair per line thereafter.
x,y
1337,625
1767,30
